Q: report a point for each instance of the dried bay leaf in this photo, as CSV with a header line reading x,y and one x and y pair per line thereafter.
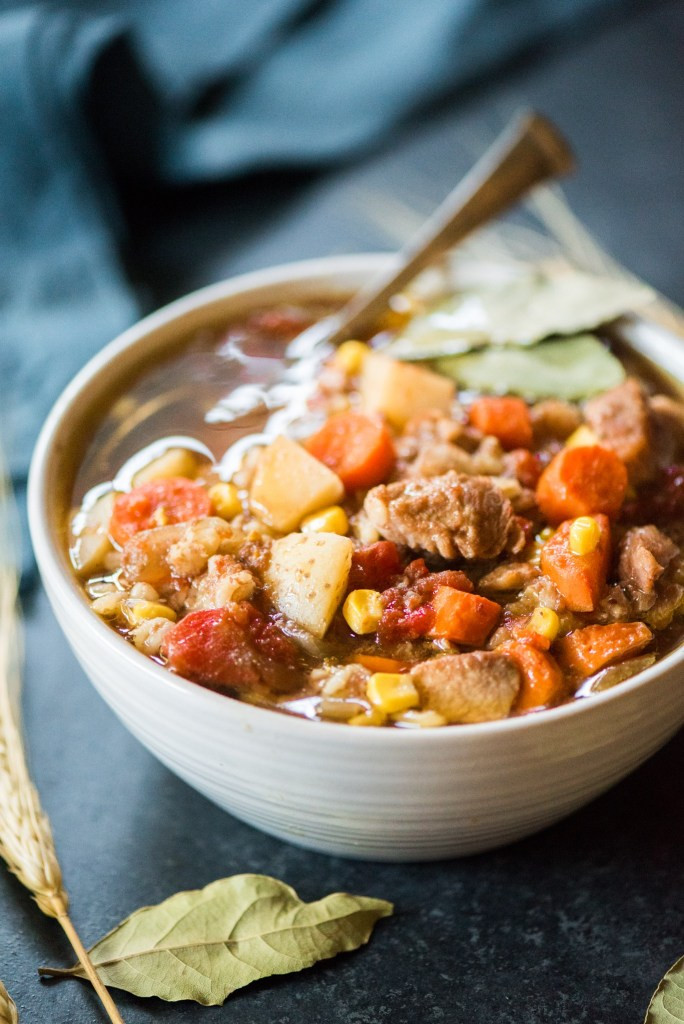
x,y
667,1002
520,312
206,943
568,368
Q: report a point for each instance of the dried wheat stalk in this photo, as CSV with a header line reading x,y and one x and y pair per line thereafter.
x,y
26,843
8,1011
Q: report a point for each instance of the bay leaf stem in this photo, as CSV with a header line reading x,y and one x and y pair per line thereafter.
x,y
87,964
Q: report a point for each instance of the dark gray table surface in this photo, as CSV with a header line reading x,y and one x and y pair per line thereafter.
x,y
576,924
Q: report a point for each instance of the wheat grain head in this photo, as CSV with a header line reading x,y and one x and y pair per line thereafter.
x,y
8,1011
26,843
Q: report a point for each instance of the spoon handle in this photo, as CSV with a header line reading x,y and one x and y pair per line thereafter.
x,y
529,151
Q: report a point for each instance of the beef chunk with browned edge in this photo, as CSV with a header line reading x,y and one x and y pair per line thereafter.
x,y
451,515
645,553
621,420
476,687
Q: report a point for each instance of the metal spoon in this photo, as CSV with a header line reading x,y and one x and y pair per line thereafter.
x,y
529,151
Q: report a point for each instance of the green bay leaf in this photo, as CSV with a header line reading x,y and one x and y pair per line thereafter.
x,y
667,1002
206,943
567,368
520,312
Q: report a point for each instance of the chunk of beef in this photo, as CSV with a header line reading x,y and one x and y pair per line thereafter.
x,y
433,444
667,424
645,553
614,606
433,426
488,457
451,515
436,459
510,576
620,418
553,420
476,687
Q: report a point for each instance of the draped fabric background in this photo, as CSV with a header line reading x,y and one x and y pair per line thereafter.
x,y
96,96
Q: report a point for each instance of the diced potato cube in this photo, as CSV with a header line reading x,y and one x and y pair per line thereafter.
x,y
91,541
174,462
308,576
289,483
401,390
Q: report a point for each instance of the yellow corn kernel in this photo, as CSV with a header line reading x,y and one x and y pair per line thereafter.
x,y
329,520
363,610
544,621
391,692
225,500
137,611
371,717
420,719
583,437
350,356
585,533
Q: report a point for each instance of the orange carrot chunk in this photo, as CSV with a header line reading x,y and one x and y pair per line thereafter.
x,y
581,482
157,503
581,579
356,447
542,682
462,617
508,419
585,651
376,663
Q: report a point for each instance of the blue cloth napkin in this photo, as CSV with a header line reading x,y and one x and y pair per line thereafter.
x,y
177,92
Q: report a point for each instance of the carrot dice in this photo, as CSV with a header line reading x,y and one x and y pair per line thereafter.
x,y
543,683
581,579
585,651
582,482
462,617
508,419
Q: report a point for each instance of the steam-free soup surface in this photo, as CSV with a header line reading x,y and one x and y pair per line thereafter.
x,y
404,554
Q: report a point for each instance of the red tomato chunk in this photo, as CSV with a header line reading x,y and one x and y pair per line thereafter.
x,y
375,567
232,648
408,613
157,503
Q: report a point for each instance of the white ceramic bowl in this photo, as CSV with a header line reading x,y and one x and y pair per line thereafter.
x,y
380,794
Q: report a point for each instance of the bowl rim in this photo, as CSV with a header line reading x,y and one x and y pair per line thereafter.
x,y
68,591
